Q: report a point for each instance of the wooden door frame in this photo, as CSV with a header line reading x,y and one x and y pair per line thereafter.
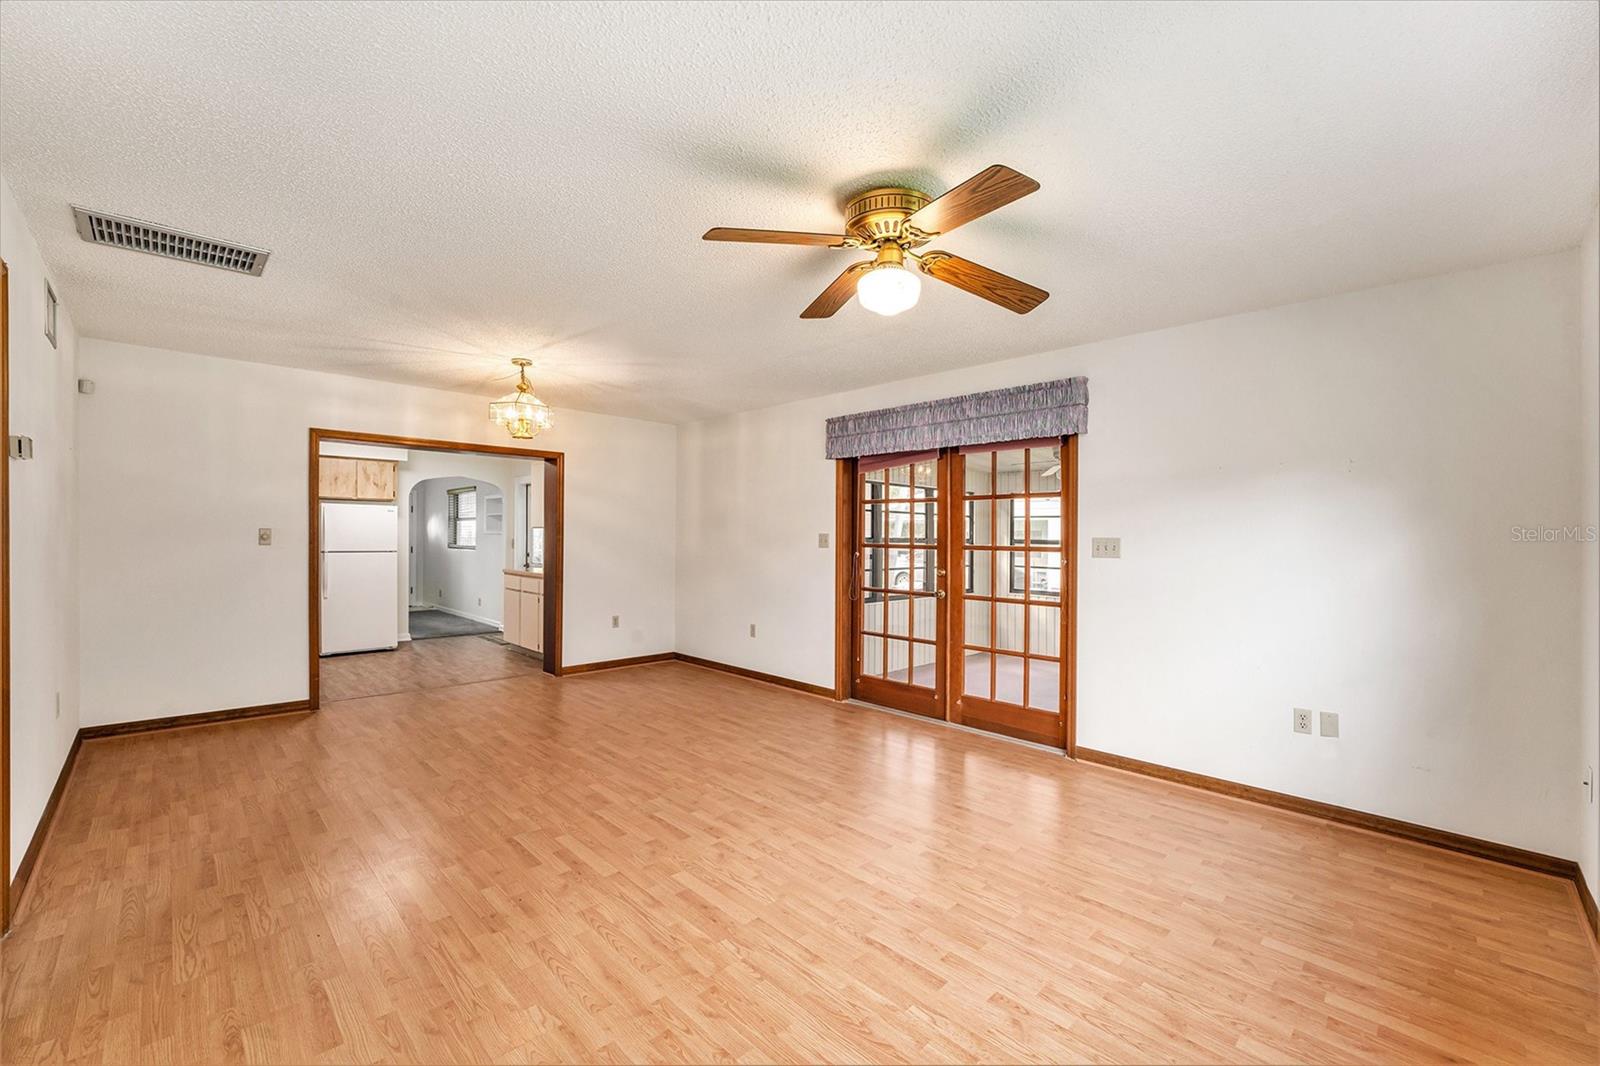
x,y
844,503
554,540
5,601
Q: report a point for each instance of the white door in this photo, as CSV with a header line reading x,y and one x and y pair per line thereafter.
x,y
358,601
360,527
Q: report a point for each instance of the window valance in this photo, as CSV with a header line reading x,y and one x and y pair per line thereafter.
x,y
1049,409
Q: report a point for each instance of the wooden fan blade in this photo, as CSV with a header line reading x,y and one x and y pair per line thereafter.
x,y
991,188
838,292
774,236
992,285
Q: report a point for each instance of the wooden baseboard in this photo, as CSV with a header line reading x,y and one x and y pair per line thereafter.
x,y
1586,899
31,857
613,664
756,675
1439,838
185,721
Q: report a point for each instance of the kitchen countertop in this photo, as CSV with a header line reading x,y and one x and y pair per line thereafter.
x,y
524,573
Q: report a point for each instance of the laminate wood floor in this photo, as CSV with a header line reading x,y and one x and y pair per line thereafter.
x,y
666,863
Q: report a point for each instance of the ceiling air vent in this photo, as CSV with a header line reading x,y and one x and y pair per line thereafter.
x,y
119,232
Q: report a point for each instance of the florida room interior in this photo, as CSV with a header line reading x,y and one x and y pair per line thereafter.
x,y
800,532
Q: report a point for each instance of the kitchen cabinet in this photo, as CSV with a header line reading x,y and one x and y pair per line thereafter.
x,y
511,613
342,478
523,618
532,622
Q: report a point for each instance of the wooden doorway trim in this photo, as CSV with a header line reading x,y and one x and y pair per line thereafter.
x,y
5,602
554,523
844,547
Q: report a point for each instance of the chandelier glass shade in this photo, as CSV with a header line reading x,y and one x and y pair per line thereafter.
x,y
522,413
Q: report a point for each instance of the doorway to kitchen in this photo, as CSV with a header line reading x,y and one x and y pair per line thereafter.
x,y
421,564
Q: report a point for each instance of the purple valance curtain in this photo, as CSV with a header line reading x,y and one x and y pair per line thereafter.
x,y
1049,409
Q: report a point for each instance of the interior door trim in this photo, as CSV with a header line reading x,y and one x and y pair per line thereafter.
x,y
554,540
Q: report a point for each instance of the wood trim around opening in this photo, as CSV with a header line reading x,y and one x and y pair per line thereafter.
x,y
844,546
554,541
5,602
1068,739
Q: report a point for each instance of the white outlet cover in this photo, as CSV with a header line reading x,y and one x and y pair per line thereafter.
x,y
1302,721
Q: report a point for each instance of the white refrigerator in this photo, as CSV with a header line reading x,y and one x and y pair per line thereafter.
x,y
360,577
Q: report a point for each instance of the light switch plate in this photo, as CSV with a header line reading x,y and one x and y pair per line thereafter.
x,y
1106,548
822,540
264,537
1328,724
19,447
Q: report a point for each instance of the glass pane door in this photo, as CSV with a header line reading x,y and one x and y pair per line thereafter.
x,y
899,586
1008,629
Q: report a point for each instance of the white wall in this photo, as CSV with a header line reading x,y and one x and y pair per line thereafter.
x,y
208,620
1315,503
1588,852
44,515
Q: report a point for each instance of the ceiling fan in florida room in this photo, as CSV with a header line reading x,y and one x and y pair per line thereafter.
x,y
892,224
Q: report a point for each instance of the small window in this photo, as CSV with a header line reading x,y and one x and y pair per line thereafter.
x,y
464,517
50,314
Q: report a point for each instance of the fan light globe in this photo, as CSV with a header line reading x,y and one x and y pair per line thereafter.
x,y
888,289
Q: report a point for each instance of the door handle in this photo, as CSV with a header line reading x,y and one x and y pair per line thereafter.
x,y
940,594
855,573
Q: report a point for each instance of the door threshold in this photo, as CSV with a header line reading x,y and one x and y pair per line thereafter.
x,y
985,733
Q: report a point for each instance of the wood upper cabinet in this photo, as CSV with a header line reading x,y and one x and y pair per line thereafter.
x,y
375,479
336,478
340,478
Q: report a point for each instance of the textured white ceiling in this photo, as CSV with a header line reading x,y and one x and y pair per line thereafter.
x,y
445,186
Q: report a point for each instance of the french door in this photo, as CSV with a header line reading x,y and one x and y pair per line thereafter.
x,y
899,583
962,586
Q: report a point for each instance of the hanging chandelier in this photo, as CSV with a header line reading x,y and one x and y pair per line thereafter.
x,y
522,413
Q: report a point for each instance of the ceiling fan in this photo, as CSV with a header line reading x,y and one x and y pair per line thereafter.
x,y
891,223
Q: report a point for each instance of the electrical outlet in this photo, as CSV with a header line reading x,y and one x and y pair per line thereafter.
x,y
1106,548
264,537
752,629
1328,723
616,621
822,540
1302,721
480,601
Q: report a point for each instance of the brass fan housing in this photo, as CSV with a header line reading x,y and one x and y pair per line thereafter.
x,y
879,215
